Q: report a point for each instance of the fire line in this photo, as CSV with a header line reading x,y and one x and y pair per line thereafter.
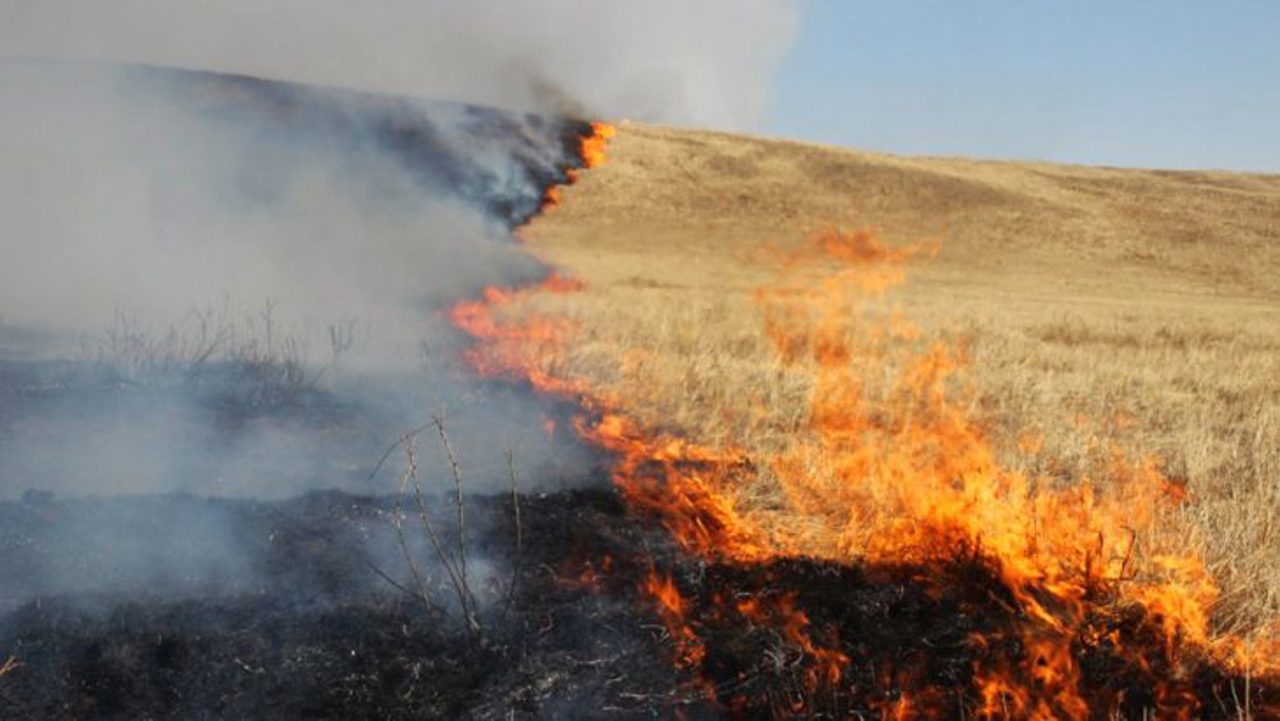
x,y
1070,578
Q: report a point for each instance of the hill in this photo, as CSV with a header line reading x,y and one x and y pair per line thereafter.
x,y
1101,310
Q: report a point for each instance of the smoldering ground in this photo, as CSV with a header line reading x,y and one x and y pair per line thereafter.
x,y
248,279
225,287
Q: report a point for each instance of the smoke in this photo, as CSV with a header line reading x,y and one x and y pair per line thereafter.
x,y
217,286
251,276
706,63
119,195
230,287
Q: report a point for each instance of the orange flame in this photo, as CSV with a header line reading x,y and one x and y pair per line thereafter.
x,y
591,153
593,146
507,349
910,477
550,198
671,609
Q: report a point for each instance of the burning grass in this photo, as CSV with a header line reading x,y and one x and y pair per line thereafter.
x,y
767,417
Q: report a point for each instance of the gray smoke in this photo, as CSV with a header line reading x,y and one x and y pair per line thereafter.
x,y
119,196
251,277
705,63
225,287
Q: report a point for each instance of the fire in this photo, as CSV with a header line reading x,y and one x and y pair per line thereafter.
x,y
671,609
508,349
550,198
593,146
591,153
829,664
904,476
682,482
590,577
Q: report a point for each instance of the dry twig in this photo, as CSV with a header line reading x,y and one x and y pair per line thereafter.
x,y
10,665
515,509
465,599
456,471
397,520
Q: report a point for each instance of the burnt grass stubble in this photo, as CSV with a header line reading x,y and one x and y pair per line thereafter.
x,y
322,634
318,633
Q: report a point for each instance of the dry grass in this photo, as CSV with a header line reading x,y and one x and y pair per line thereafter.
x,y
1098,305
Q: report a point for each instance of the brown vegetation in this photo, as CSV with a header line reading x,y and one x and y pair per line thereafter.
x,y
1098,307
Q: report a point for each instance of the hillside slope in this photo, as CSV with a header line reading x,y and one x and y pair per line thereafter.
x,y
1102,230
1102,310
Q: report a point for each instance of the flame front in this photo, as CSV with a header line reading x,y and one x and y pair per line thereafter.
x,y
593,146
903,475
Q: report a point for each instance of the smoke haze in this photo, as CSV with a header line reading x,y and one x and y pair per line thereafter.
x,y
121,192
705,63
250,276
228,287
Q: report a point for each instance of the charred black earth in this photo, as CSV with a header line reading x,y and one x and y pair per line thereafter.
x,y
308,627
319,616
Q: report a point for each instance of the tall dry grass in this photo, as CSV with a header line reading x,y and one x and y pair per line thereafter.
x,y
1059,389
1099,309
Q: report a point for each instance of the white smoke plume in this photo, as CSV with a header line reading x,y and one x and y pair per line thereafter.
x,y
199,237
706,63
159,214
133,201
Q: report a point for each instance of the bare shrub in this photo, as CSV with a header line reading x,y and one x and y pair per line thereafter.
x,y
261,364
449,547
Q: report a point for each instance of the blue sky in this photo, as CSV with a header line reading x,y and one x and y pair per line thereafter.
x,y
1169,83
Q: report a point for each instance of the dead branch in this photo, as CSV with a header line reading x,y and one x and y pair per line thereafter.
x,y
519,541
397,520
465,595
407,437
394,583
460,588
9,703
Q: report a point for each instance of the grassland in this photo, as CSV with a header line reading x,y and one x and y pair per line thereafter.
x,y
1098,306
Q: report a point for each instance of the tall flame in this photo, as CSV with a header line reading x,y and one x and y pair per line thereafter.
x,y
906,476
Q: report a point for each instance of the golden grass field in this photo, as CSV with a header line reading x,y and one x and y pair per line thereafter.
x,y
1098,305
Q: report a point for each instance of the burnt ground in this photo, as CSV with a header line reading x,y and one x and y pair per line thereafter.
x,y
188,606
305,627
301,623
302,617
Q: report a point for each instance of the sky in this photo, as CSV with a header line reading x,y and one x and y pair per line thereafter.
x,y
1150,83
